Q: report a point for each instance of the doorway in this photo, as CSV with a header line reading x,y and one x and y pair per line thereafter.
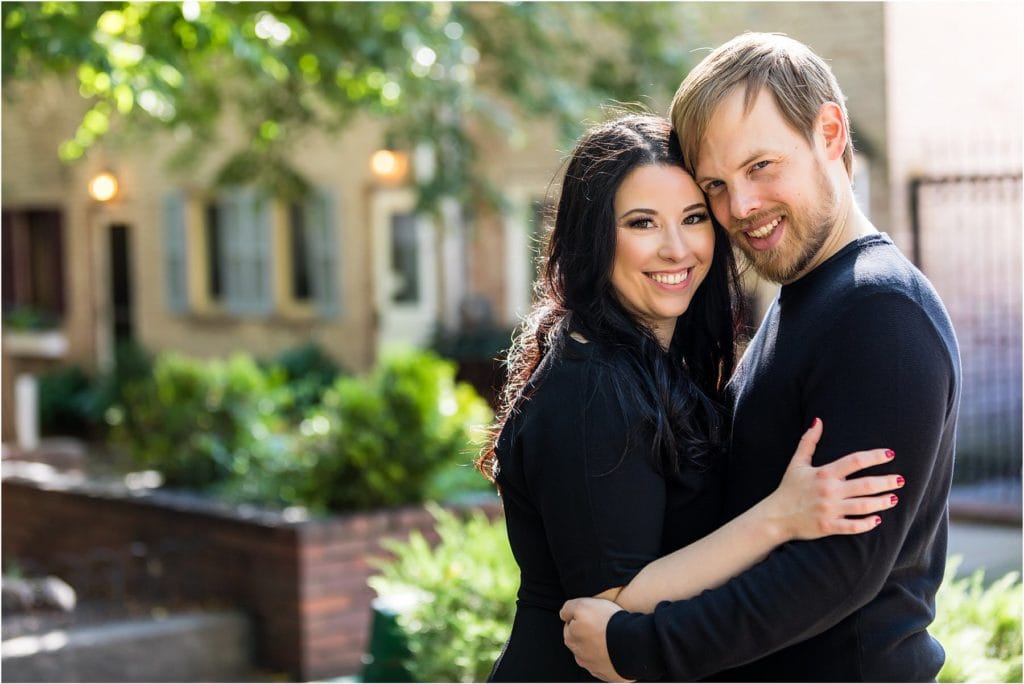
x,y
121,320
405,259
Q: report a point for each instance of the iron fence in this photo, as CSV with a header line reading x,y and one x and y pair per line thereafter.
x,y
967,239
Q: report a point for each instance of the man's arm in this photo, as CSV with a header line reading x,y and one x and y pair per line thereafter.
x,y
899,385
810,503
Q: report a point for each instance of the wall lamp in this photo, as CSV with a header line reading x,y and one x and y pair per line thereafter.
x,y
389,166
103,186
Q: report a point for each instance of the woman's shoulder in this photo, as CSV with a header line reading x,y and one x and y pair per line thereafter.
x,y
574,367
572,407
574,389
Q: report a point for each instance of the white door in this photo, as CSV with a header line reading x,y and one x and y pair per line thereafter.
x,y
405,270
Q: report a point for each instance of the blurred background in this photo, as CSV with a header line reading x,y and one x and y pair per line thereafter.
x,y
261,261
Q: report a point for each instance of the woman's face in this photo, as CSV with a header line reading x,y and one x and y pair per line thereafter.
x,y
663,247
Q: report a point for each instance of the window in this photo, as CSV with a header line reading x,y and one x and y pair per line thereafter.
x,y
212,229
33,266
245,252
405,259
298,240
244,257
309,260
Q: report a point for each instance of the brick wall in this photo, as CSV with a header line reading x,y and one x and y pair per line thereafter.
x,y
302,583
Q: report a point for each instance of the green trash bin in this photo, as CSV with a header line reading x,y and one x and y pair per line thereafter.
x,y
384,660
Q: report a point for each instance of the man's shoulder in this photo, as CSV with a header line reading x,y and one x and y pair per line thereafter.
x,y
880,273
901,308
877,290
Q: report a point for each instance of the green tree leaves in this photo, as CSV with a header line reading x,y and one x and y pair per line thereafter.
x,y
438,74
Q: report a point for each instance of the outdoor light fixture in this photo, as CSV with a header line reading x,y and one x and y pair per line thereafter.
x,y
103,187
389,165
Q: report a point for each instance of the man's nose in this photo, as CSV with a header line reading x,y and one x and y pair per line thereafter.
x,y
743,201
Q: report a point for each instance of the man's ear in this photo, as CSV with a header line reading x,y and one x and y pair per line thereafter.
x,y
832,128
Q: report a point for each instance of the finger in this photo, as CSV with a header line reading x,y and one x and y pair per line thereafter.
x,y
875,484
808,443
869,504
568,610
855,525
859,460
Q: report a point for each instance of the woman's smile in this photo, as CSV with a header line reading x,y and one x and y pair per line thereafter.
x,y
672,280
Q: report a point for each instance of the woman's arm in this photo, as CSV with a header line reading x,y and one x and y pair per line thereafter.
x,y
808,504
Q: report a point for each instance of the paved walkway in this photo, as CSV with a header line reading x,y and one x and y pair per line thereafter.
x,y
997,548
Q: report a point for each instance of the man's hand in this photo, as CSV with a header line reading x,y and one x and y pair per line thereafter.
x,y
584,633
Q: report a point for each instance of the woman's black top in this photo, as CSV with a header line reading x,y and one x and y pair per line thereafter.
x,y
584,506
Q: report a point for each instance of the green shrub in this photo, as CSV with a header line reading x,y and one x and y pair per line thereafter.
x,y
74,402
309,372
192,418
467,585
485,342
404,434
383,440
67,402
132,364
979,626
270,471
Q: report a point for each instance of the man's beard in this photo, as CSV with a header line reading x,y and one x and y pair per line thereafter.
x,y
806,233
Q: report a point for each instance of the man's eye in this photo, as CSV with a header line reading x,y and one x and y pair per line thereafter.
x,y
713,186
761,164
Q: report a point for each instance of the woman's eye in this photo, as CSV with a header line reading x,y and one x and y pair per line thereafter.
x,y
761,164
699,217
642,223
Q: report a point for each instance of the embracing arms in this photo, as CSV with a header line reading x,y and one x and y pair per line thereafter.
x,y
808,504
898,378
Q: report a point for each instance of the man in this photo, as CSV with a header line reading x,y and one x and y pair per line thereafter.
x,y
856,336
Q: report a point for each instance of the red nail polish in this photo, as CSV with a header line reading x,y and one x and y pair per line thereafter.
x,y
893,499
878,521
900,481
890,454
815,422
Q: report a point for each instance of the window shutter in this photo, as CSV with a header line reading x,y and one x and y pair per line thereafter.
x,y
246,252
322,222
175,252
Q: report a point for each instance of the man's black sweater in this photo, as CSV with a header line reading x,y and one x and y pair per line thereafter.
x,y
864,343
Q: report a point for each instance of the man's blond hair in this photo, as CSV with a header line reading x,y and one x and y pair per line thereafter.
x,y
800,81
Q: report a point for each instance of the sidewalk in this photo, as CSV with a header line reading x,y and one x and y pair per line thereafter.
x,y
985,526
997,548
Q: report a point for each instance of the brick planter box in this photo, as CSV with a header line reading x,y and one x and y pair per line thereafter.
x,y
303,582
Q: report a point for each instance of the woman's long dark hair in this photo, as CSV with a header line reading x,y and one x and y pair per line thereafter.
x,y
680,393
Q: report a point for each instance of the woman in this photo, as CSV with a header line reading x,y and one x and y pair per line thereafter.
x,y
613,419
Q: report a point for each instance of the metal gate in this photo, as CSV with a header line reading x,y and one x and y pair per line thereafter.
x,y
967,240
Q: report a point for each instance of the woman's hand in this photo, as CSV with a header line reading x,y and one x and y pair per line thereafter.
x,y
814,502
